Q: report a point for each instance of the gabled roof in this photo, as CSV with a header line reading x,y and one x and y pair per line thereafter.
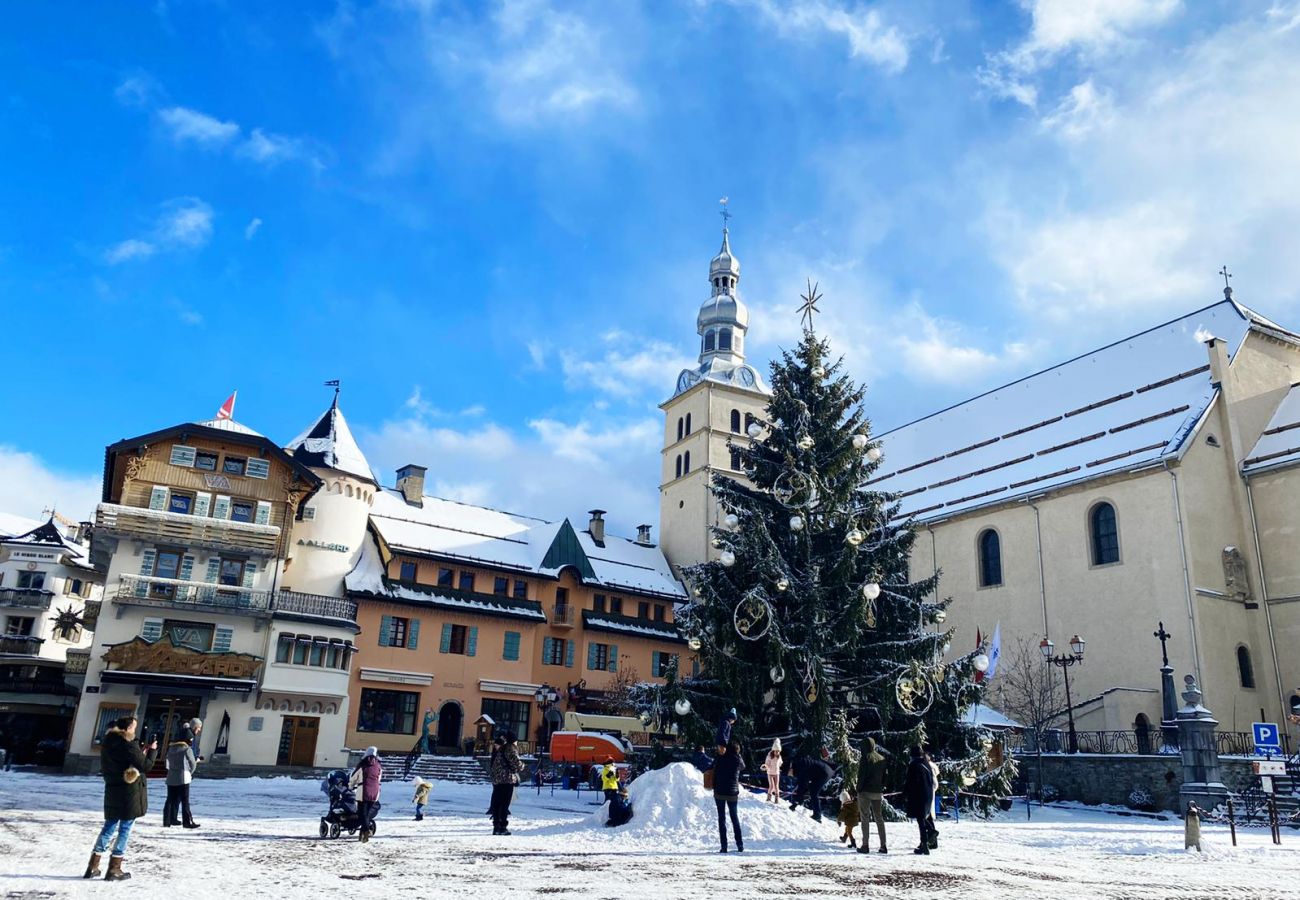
x,y
328,444
47,536
445,529
14,525
1126,405
1279,445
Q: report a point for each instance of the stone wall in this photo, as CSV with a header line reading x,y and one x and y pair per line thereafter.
x,y
1110,778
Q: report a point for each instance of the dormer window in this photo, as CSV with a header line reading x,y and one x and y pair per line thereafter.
x,y
724,339
708,341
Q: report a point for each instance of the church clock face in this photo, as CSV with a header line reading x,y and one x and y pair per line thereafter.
x,y
686,379
745,375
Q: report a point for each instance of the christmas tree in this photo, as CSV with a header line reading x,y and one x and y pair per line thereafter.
x,y
809,620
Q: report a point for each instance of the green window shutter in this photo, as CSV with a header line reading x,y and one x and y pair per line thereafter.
x,y
654,663
546,651
263,514
222,639
182,456
221,509
444,646
187,568
214,568
613,658
568,654
413,635
591,655
385,628
250,569
258,468
151,630
158,497
512,646
202,504
146,569
674,661
471,641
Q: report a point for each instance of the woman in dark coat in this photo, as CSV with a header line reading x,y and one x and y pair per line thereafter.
x,y
918,796
504,770
726,791
126,794
368,774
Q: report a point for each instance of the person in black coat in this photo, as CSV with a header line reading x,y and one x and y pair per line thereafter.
x,y
726,792
812,773
124,766
918,796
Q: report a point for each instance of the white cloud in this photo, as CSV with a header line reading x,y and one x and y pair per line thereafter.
x,y
868,36
184,222
629,367
930,349
537,353
191,125
1085,110
269,148
28,486
252,228
136,90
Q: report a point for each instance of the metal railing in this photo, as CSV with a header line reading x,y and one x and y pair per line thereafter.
x,y
562,614
188,530
1151,742
1242,743
30,686
20,645
295,603
26,598
174,592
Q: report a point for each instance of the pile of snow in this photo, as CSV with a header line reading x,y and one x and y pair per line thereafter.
x,y
672,805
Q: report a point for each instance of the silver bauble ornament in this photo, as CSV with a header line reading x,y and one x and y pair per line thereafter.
x,y
981,662
778,674
683,707
796,523
727,558
873,455
731,521
859,441
871,590
754,430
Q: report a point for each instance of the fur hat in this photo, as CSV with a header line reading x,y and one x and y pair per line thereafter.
x,y
372,751
845,796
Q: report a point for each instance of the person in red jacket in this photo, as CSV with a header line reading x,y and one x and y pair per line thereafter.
x,y
368,773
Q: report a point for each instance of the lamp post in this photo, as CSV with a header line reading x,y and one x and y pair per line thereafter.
x,y
546,697
1065,660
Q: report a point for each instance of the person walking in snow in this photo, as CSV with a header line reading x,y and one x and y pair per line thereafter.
x,y
180,772
918,796
727,767
871,794
933,837
123,765
368,774
849,816
504,770
723,737
421,797
772,768
812,773
609,780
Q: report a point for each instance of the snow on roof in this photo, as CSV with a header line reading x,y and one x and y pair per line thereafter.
x,y
1125,405
11,525
662,630
229,425
329,444
476,534
45,534
988,717
1280,443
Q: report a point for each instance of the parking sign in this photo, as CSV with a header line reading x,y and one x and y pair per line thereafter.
x,y
1268,739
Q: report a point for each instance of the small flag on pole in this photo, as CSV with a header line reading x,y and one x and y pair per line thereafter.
x,y
995,650
227,410
979,645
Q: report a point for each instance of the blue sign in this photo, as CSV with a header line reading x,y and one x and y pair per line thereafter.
x,y
1267,738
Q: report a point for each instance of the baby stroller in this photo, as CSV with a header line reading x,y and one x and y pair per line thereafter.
x,y
343,815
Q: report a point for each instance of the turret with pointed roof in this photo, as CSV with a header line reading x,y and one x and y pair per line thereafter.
x,y
328,444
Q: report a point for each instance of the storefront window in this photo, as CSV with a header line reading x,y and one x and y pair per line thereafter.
x,y
388,712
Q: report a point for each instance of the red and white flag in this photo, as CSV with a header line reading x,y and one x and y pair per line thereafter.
x,y
227,410
979,645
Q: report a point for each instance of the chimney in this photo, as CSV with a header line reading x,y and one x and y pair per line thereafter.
x,y
1218,353
410,481
597,527
643,535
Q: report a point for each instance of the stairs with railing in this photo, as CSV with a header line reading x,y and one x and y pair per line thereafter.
x,y
460,769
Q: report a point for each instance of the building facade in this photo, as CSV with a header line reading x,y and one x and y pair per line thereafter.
x,y
196,537
49,595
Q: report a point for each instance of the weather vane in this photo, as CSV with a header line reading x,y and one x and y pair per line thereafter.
x,y
726,212
334,383
809,307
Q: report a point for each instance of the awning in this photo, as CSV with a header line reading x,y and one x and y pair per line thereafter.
x,y
167,679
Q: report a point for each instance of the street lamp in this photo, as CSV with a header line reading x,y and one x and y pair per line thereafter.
x,y
1065,660
546,697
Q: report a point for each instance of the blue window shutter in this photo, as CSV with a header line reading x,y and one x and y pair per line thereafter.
x,y
654,663
187,568
512,645
258,468
385,627
182,455
214,567
591,655
151,630
250,569
444,646
471,642
613,658
146,569
222,638
202,504
413,635
546,651
158,497
221,508
263,514
568,654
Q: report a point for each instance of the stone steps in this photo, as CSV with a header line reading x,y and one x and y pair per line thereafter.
x,y
460,769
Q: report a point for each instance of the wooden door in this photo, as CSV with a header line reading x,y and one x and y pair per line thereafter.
x,y
298,741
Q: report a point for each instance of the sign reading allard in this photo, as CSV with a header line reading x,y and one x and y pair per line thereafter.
x,y
138,655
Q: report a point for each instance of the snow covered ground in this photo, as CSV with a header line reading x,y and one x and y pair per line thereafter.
x,y
259,839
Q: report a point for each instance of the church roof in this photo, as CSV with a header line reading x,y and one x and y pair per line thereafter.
x,y
446,529
1129,404
328,444
1279,445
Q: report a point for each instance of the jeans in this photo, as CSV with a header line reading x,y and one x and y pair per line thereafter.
x,y
728,805
419,810
363,813
871,807
123,829
178,801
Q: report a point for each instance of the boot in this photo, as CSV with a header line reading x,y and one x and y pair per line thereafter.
x,y
115,872
882,849
191,824
740,846
92,868
864,849
853,842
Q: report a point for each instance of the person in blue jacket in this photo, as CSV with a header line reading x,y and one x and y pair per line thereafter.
x,y
812,773
723,737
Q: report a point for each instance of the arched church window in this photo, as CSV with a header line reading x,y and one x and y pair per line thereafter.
x,y
688,423
735,459
990,551
1245,671
708,341
749,420
1105,534
686,462
724,339
680,425
679,466
735,421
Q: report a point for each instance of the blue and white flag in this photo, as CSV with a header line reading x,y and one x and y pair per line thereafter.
x,y
995,651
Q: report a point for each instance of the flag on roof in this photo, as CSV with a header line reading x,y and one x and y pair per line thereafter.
x,y
227,410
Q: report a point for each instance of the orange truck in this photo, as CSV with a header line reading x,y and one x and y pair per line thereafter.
x,y
586,748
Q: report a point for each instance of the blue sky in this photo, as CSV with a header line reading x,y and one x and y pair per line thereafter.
x,y
493,220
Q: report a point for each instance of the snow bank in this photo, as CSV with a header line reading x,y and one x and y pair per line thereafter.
x,y
671,806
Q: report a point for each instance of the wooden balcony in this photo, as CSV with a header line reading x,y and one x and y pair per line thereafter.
x,y
185,530
20,645
25,598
